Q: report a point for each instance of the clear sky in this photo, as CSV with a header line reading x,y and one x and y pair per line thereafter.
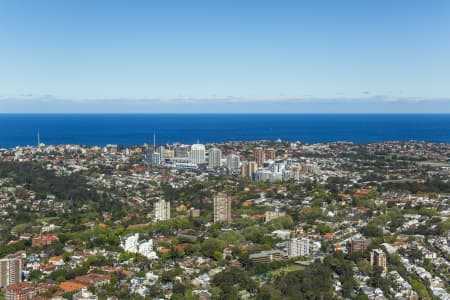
x,y
175,56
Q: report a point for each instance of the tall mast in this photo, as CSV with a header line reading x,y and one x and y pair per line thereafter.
x,y
154,142
38,140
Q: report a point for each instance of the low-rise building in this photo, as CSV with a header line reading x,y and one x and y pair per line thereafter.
x,y
268,256
20,291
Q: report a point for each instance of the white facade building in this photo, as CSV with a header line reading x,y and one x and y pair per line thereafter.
x,y
233,162
146,248
298,247
198,153
156,159
131,243
214,157
84,294
162,210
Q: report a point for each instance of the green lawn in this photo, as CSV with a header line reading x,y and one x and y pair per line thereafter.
x,y
287,269
49,219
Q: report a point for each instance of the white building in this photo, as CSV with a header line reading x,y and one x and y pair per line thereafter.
x,y
156,159
161,209
270,215
151,278
84,294
267,175
131,243
146,248
162,152
198,153
214,157
282,234
233,162
298,247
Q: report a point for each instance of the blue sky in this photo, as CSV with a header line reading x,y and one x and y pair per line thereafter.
x,y
214,56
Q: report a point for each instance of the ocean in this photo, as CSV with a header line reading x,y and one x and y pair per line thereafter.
x,y
136,129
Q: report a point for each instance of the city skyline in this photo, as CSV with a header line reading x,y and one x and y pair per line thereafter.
x,y
208,150
110,57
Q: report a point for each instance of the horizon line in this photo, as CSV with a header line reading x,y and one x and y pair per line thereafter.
x,y
224,113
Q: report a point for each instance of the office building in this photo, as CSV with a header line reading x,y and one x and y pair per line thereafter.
x,y
198,153
259,155
153,157
378,258
298,247
10,271
156,159
222,208
181,151
161,210
233,162
168,153
148,155
215,156
162,152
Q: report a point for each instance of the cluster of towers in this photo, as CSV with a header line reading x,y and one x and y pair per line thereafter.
x,y
194,154
185,156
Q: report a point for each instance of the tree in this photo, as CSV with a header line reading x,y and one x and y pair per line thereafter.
x,y
372,230
314,282
364,266
179,288
231,237
231,278
377,280
284,222
323,228
34,275
210,246
268,292
310,215
420,288
255,233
